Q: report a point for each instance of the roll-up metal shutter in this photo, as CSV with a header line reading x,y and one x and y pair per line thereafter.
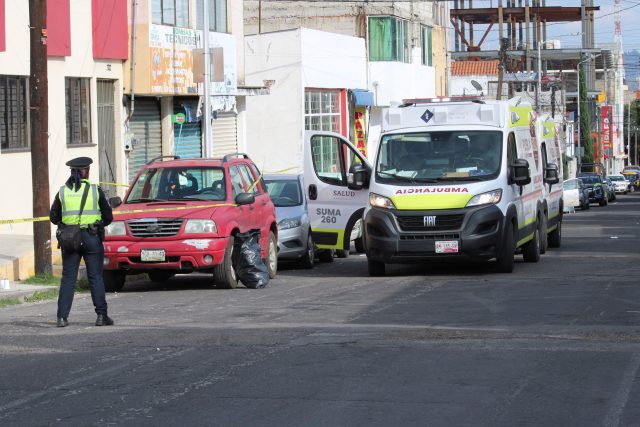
x,y
225,136
147,133
187,137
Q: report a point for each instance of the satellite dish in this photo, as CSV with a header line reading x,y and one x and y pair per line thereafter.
x,y
476,85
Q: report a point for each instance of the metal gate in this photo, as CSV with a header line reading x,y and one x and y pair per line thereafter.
x,y
225,135
188,135
147,134
106,136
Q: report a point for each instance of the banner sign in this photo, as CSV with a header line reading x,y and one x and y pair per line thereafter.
x,y
359,130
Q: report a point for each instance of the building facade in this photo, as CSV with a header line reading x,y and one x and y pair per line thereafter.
x,y
87,45
405,46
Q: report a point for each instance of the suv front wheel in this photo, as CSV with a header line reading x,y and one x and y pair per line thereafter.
x,y
224,275
272,256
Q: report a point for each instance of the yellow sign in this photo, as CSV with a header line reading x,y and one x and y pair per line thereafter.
x,y
360,130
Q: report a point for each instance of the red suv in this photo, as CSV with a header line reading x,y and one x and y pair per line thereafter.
x,y
181,215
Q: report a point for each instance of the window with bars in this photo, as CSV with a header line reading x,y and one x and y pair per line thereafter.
x,y
217,16
78,109
322,110
427,46
388,39
170,12
14,113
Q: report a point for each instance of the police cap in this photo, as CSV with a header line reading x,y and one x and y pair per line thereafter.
x,y
79,162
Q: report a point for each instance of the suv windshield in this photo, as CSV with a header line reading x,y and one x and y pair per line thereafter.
x,y
439,156
179,183
591,179
616,178
284,192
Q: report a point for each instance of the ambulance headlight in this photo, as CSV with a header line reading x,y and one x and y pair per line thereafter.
x,y
378,201
488,198
200,226
116,228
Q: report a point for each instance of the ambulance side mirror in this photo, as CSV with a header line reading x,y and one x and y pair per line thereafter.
x,y
520,174
551,174
358,177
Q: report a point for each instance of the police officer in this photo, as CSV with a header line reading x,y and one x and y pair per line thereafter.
x,y
95,215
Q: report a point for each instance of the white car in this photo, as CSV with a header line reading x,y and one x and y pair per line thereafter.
x,y
620,182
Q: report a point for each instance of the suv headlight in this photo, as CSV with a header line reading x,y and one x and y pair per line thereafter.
x,y
378,201
200,226
116,228
488,198
288,223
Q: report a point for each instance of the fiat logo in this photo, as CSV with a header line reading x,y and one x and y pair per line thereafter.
x,y
429,221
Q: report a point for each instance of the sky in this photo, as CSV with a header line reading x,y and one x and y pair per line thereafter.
x,y
568,33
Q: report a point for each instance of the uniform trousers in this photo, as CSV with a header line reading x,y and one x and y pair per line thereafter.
x,y
92,252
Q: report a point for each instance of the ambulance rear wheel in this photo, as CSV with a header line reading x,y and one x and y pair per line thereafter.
x,y
376,268
326,255
544,240
342,253
555,237
531,249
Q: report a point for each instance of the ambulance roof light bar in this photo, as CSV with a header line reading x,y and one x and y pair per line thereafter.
x,y
439,99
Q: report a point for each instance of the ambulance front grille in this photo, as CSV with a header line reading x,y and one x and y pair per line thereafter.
x,y
442,222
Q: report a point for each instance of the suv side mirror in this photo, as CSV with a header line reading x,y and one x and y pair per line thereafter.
x,y
358,178
245,199
520,174
114,202
551,174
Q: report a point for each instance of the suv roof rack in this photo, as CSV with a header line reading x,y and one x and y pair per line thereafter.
x,y
229,156
163,157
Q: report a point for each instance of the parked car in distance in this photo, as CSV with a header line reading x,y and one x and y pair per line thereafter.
x,y
182,215
597,188
575,194
611,189
631,168
620,183
634,180
295,241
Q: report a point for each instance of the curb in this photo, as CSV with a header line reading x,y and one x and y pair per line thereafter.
x,y
22,291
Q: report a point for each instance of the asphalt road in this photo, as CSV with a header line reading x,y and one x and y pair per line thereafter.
x,y
553,344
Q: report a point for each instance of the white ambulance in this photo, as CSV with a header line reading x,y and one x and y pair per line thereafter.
x,y
551,153
451,179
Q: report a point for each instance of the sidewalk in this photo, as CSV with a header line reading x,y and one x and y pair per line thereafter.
x,y
17,263
21,290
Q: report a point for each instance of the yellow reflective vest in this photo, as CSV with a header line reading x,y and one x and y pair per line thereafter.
x,y
71,200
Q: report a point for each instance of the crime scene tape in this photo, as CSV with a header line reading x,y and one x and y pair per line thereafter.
x,y
178,208
175,208
115,184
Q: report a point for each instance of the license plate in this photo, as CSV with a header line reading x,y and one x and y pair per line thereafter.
x,y
152,255
446,246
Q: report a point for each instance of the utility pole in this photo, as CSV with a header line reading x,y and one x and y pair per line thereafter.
x,y
206,128
39,118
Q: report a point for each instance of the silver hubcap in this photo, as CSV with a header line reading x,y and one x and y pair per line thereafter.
x,y
272,256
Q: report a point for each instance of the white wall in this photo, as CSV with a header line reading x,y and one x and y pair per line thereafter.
x,y
395,81
295,59
16,167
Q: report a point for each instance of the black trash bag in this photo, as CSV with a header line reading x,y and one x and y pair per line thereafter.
x,y
252,272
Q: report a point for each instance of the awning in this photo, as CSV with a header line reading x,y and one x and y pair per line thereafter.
x,y
362,98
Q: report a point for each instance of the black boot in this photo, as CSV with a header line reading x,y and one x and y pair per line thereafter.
x,y
62,322
104,320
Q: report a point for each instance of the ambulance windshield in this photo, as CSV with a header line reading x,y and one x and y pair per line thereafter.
x,y
439,156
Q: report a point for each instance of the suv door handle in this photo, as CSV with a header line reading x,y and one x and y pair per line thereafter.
x,y
313,192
